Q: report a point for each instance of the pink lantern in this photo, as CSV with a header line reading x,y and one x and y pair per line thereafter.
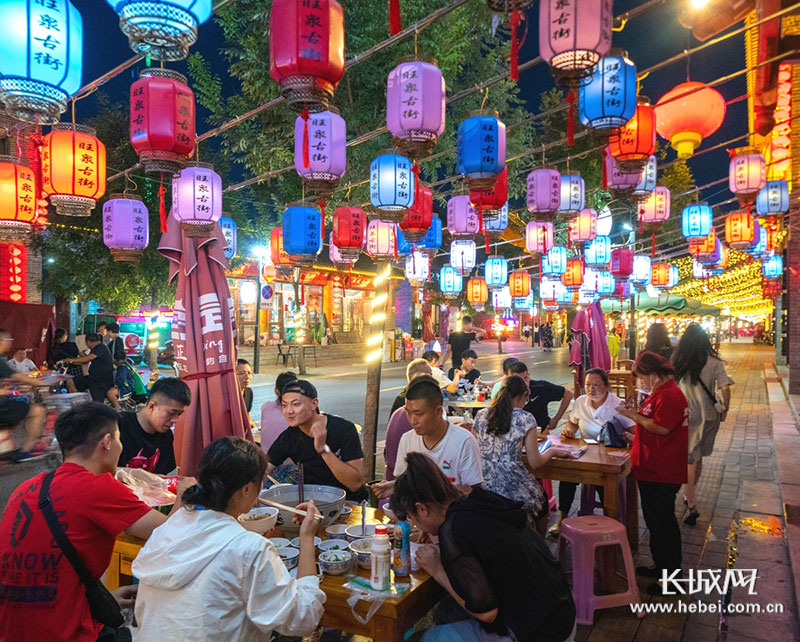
x,y
415,107
583,228
320,156
538,237
654,212
125,227
462,218
381,238
544,192
747,174
621,263
197,199
342,259
618,181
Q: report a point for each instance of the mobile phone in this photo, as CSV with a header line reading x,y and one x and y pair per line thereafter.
x,y
373,482
545,445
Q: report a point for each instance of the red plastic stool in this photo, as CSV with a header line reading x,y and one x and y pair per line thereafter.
x,y
586,535
547,485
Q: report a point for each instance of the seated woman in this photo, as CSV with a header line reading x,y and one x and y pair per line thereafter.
x,y
499,572
502,430
590,413
202,576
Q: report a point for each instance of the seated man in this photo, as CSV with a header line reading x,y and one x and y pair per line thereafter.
x,y
542,394
445,383
17,409
47,600
101,369
273,423
468,374
148,433
326,445
21,364
244,373
414,367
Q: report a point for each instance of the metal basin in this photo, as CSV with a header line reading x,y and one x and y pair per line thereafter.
x,y
328,500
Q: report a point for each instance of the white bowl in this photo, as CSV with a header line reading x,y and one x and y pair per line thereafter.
x,y
354,532
296,542
259,520
280,542
362,549
333,545
345,514
335,562
336,531
289,556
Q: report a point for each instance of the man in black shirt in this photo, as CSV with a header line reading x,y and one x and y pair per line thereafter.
x,y
460,341
542,394
326,445
115,343
149,431
468,373
101,370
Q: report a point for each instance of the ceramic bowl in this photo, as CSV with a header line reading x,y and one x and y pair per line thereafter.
x,y
345,514
259,520
280,542
296,542
355,532
333,545
328,500
361,548
335,562
336,531
289,556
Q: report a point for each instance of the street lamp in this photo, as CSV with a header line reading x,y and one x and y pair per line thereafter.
x,y
260,252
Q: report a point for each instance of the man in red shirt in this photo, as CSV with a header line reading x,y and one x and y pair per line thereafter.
x,y
41,596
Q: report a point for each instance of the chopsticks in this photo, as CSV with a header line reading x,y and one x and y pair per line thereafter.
x,y
300,479
291,509
273,480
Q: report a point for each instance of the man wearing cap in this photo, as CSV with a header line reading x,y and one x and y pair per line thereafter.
x,y
326,445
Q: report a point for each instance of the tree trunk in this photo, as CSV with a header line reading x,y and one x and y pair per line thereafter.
x,y
499,343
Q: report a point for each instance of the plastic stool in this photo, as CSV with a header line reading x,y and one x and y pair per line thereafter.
x,y
589,500
547,485
586,535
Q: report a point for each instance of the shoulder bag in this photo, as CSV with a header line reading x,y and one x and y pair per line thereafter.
x,y
613,434
719,405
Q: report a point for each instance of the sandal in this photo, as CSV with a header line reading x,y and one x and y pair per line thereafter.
x,y
691,518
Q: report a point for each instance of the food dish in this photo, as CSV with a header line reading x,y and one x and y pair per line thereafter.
x,y
328,500
289,556
335,562
333,545
345,514
355,532
296,542
361,548
280,542
259,520
336,531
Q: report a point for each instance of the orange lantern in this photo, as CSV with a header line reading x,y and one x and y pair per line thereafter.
x,y
573,277
704,244
519,284
687,114
73,169
17,198
634,142
277,253
740,230
659,275
477,292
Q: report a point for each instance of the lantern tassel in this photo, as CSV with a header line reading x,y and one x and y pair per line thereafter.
x,y
306,152
571,118
395,20
394,232
515,20
653,245
321,202
605,172
162,208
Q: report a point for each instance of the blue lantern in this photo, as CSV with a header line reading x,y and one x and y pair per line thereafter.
x,y
403,246
773,198
391,184
647,181
773,267
481,149
496,269
761,242
555,261
228,226
674,276
642,272
598,251
758,232
498,224
302,236
572,194
608,100
697,220
450,280
433,237
523,302
563,294
41,56
163,30
605,283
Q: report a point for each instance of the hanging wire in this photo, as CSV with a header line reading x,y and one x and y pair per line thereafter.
x,y
128,179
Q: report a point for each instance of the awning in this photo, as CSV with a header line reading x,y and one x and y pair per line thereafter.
x,y
661,305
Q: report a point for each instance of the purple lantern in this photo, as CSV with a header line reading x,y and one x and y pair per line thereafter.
x,y
125,227
197,199
620,183
544,192
462,218
415,107
320,156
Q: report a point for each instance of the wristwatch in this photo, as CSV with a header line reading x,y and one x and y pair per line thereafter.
x,y
325,449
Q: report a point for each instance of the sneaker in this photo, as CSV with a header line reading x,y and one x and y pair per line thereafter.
x,y
555,530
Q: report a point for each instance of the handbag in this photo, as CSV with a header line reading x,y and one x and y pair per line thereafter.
x,y
719,405
102,605
612,434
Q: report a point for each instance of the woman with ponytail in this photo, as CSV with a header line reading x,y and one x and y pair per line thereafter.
x,y
502,430
202,576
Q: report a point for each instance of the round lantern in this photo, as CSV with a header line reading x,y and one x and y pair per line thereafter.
x,y
415,106
713,257
572,194
302,237
763,246
573,275
419,216
462,255
159,29
608,99
703,244
773,267
18,207
659,275
519,283
654,212
633,143
197,199
349,231
674,276
450,280
618,182
621,263
418,269
125,227
391,185
381,238
501,298
228,226
544,192
73,168
583,228
573,36
433,237
697,220
538,237
162,120
773,198
481,148
477,292
605,284
687,114
549,289
598,251
320,150
496,271
41,49
494,227
306,51
342,259
747,174
276,252
740,230
462,219
622,289
489,202
647,180
642,268
555,261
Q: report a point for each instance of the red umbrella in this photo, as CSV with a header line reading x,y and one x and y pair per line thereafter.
x,y
204,337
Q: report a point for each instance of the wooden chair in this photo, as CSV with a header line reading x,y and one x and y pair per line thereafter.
x,y
625,364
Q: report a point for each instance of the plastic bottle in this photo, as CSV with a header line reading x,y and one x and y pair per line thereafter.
x,y
381,576
401,553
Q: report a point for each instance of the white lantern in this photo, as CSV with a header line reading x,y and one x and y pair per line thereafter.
x,y
462,255
572,194
381,238
501,298
462,217
642,270
417,267
538,237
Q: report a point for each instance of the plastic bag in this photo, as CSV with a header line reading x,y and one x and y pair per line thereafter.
x,y
360,589
150,488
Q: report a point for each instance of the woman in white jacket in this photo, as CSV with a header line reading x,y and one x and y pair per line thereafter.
x,y
204,578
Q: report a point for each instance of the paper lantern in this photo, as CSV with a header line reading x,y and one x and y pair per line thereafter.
x,y
772,268
450,280
278,255
415,106
608,99
554,262
565,295
573,36
494,227
538,237
477,292
481,149
433,237
13,272
622,289
462,255
306,51
161,29
391,185
572,194
349,231
621,263
381,238
418,268
687,114
489,202
697,220
763,245
618,182
197,199
125,227
302,237
654,212
659,275
647,180
713,257
605,283
462,218
229,233
634,142
519,283
773,198
549,288
73,169
674,276
403,245
18,206
320,150
419,217
342,259
573,275
41,56
523,303
740,230
544,192
501,298
583,228
496,271
704,244
598,251
747,174
642,268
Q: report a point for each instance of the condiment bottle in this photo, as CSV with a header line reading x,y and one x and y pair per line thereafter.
x,y
381,576
401,552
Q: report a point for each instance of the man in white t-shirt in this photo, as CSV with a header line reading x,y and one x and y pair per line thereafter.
x,y
454,449
445,383
21,364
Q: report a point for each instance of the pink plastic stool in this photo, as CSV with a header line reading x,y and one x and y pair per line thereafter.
x,y
589,500
547,485
586,535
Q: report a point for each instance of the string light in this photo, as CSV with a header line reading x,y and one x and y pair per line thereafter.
x,y
378,313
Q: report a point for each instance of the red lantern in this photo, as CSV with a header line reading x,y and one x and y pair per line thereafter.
x,y
687,114
277,253
704,244
13,272
659,275
633,143
573,277
740,230
419,216
519,284
349,228
306,51
477,291
162,120
491,200
621,263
